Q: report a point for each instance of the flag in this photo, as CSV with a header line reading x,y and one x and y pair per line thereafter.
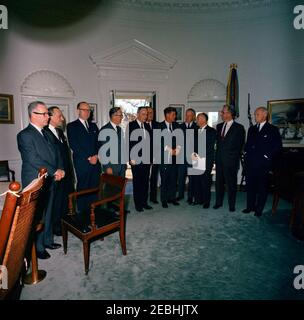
x,y
232,94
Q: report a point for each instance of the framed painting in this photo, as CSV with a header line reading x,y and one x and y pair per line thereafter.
x,y
180,111
93,116
6,108
288,116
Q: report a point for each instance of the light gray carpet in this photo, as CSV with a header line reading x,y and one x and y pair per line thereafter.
x,y
181,253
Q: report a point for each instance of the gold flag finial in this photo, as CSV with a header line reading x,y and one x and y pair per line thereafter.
x,y
233,66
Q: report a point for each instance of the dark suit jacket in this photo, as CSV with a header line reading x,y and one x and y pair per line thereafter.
x,y
155,125
121,152
164,154
84,144
190,143
210,145
262,147
65,154
133,125
229,149
36,152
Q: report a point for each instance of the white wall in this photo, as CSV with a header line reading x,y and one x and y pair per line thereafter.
x,y
268,51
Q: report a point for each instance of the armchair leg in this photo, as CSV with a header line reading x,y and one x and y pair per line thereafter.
x,y
64,232
86,254
122,237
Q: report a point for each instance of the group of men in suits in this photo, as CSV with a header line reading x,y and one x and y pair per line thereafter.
x,y
43,144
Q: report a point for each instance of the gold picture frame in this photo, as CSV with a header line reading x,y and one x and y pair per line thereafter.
x,y
288,116
6,108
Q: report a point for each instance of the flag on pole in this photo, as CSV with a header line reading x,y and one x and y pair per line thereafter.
x,y
232,94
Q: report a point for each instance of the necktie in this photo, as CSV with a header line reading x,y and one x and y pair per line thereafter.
x,y
44,134
170,127
224,130
258,127
59,135
86,125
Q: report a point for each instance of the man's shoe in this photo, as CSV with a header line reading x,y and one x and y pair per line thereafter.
x,y
206,205
174,202
139,209
247,210
154,201
53,246
147,207
43,255
164,204
258,214
232,209
216,206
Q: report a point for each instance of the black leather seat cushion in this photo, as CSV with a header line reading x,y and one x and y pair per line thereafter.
x,y
81,221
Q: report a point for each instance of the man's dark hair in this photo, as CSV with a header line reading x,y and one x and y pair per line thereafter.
x,y
79,103
140,108
192,110
51,110
112,111
169,110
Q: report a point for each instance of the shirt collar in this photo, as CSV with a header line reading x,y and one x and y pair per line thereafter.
x,y
113,125
36,127
139,123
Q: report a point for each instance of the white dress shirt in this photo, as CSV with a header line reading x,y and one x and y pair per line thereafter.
x,y
85,123
36,127
228,126
53,129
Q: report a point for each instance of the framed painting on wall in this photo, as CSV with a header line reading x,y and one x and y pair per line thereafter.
x,y
288,116
6,108
180,111
93,116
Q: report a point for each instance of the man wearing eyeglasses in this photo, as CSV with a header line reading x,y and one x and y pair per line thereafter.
x,y
37,151
83,140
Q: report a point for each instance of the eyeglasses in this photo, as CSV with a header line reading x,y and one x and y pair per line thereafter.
x,y
42,113
88,110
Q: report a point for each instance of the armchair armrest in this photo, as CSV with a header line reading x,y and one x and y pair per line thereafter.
x,y
100,202
74,195
103,201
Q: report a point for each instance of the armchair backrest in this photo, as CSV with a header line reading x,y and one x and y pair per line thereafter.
x,y
15,227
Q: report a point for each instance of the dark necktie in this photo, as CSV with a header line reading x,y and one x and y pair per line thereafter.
x,y
44,134
224,130
86,125
170,127
59,134
258,127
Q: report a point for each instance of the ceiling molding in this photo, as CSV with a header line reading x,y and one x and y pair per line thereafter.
x,y
192,5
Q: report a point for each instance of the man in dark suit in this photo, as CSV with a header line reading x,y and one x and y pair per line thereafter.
x,y
202,182
263,145
183,168
230,142
38,151
140,160
152,125
83,140
112,154
168,166
66,185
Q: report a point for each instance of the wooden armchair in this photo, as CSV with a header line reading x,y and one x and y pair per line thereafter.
x,y
101,220
15,227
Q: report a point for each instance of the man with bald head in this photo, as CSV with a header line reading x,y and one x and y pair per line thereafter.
x,y
263,145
